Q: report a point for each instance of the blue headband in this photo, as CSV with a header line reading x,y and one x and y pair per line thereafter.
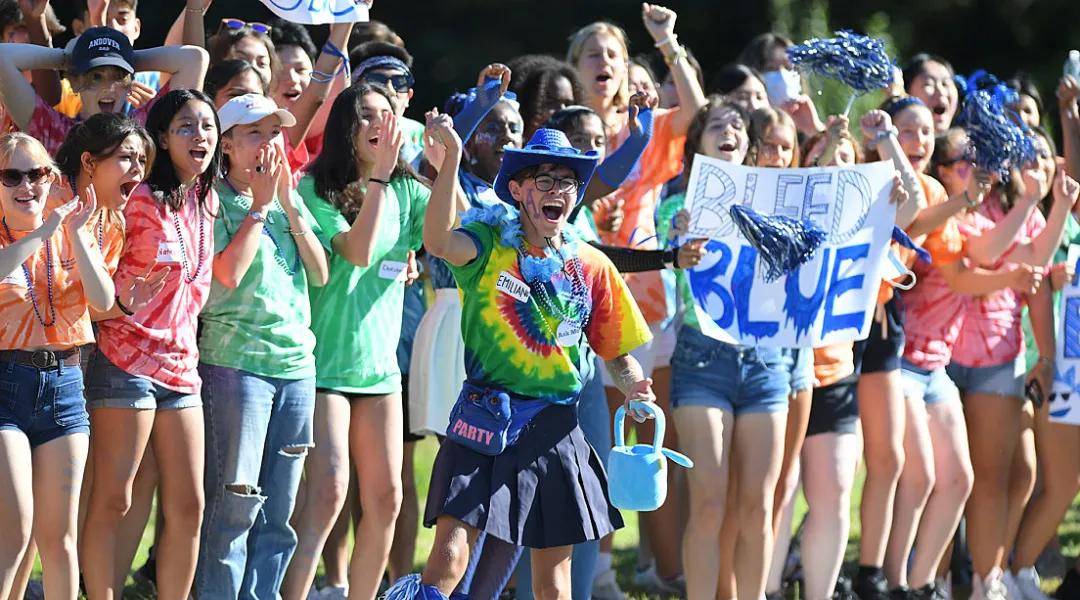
x,y
901,103
379,62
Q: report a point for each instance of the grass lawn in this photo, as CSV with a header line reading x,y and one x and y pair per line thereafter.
x,y
626,539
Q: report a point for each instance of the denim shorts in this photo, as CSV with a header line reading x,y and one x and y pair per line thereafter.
x,y
736,379
109,386
44,404
800,363
932,387
1003,380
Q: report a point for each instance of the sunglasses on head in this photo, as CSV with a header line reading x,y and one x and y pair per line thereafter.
x,y
14,177
237,24
400,83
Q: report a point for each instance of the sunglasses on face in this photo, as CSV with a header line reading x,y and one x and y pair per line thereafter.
x,y
237,24
400,83
14,177
565,185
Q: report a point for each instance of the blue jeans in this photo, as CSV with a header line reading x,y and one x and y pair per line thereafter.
x,y
735,379
44,404
258,430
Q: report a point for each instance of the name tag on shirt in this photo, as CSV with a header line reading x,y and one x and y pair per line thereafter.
x,y
168,252
513,287
568,334
393,269
17,277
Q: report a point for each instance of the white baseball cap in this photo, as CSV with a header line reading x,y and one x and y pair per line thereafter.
x,y
251,108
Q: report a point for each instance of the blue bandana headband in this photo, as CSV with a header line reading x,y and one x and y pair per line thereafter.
x,y
379,62
900,103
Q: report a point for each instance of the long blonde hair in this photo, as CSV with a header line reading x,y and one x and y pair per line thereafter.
x,y
577,46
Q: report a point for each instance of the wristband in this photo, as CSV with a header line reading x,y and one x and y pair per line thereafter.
x,y
671,258
671,39
617,166
333,50
892,131
123,308
256,216
377,180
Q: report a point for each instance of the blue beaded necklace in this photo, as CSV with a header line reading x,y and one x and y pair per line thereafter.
x,y
30,280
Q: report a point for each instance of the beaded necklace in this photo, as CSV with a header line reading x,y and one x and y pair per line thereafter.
x,y
30,280
539,272
279,255
190,276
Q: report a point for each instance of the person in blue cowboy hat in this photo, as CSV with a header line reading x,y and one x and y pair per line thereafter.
x,y
515,464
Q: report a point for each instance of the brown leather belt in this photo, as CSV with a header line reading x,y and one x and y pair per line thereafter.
x,y
42,359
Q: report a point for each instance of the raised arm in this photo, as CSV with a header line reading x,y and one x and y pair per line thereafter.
x,y
97,285
46,81
357,245
1068,92
15,91
1040,251
617,165
232,263
878,128
987,248
185,64
440,238
324,74
660,23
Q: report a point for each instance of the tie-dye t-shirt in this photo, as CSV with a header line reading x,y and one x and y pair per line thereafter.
x,y
158,342
510,334
356,316
640,192
35,315
263,325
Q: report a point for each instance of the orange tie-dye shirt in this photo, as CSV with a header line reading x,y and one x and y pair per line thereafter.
x,y
661,161
42,303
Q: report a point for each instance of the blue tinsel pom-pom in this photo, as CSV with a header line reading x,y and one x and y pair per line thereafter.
x,y
857,60
406,588
996,139
782,243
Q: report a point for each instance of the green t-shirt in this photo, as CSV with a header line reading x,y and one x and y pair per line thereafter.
x,y
356,316
413,130
684,297
262,326
1072,236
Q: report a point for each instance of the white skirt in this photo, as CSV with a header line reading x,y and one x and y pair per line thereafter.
x,y
437,365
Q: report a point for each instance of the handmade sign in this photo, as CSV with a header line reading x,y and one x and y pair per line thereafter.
x,y
831,297
320,12
1065,395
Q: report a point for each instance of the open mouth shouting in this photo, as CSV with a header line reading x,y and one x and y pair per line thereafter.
x,y
107,105
127,188
552,209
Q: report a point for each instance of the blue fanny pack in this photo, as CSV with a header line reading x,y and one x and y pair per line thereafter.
x,y
487,419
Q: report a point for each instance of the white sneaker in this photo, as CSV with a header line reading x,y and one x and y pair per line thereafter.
x,y
647,579
1028,585
994,587
605,587
1010,586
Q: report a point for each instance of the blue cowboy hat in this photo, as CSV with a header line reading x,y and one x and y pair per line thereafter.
x,y
547,146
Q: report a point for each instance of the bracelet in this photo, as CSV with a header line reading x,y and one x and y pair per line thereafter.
x,y
201,11
299,232
256,216
679,53
1045,360
883,134
123,308
377,180
671,39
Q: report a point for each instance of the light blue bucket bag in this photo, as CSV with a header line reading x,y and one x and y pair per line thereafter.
x,y
637,475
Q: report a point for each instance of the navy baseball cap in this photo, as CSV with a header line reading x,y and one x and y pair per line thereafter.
x,y
102,47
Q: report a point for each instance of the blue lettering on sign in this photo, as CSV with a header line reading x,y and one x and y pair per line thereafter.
x,y
1071,346
849,184
703,283
749,188
780,206
810,209
833,322
742,283
801,311
284,6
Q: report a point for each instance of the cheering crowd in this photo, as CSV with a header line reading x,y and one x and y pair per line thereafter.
x,y
239,279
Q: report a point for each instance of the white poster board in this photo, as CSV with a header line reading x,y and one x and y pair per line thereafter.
x,y
1065,395
320,12
830,298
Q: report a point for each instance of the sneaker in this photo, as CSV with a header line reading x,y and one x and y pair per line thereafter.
x,y
1028,584
605,587
942,589
902,593
870,584
1010,586
647,579
842,591
994,587
676,586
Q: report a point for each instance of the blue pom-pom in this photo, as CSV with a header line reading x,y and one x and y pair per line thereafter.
x,y
406,588
782,243
996,139
857,60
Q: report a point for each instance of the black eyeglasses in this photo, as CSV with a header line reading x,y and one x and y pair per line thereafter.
x,y
14,177
237,24
401,83
565,185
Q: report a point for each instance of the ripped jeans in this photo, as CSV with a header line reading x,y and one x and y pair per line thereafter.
x,y
258,431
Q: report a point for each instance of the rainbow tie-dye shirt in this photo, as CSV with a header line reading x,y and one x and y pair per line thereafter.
x,y
510,334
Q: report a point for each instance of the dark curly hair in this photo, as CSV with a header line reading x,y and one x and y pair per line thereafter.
x,y
163,179
100,135
533,79
287,33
